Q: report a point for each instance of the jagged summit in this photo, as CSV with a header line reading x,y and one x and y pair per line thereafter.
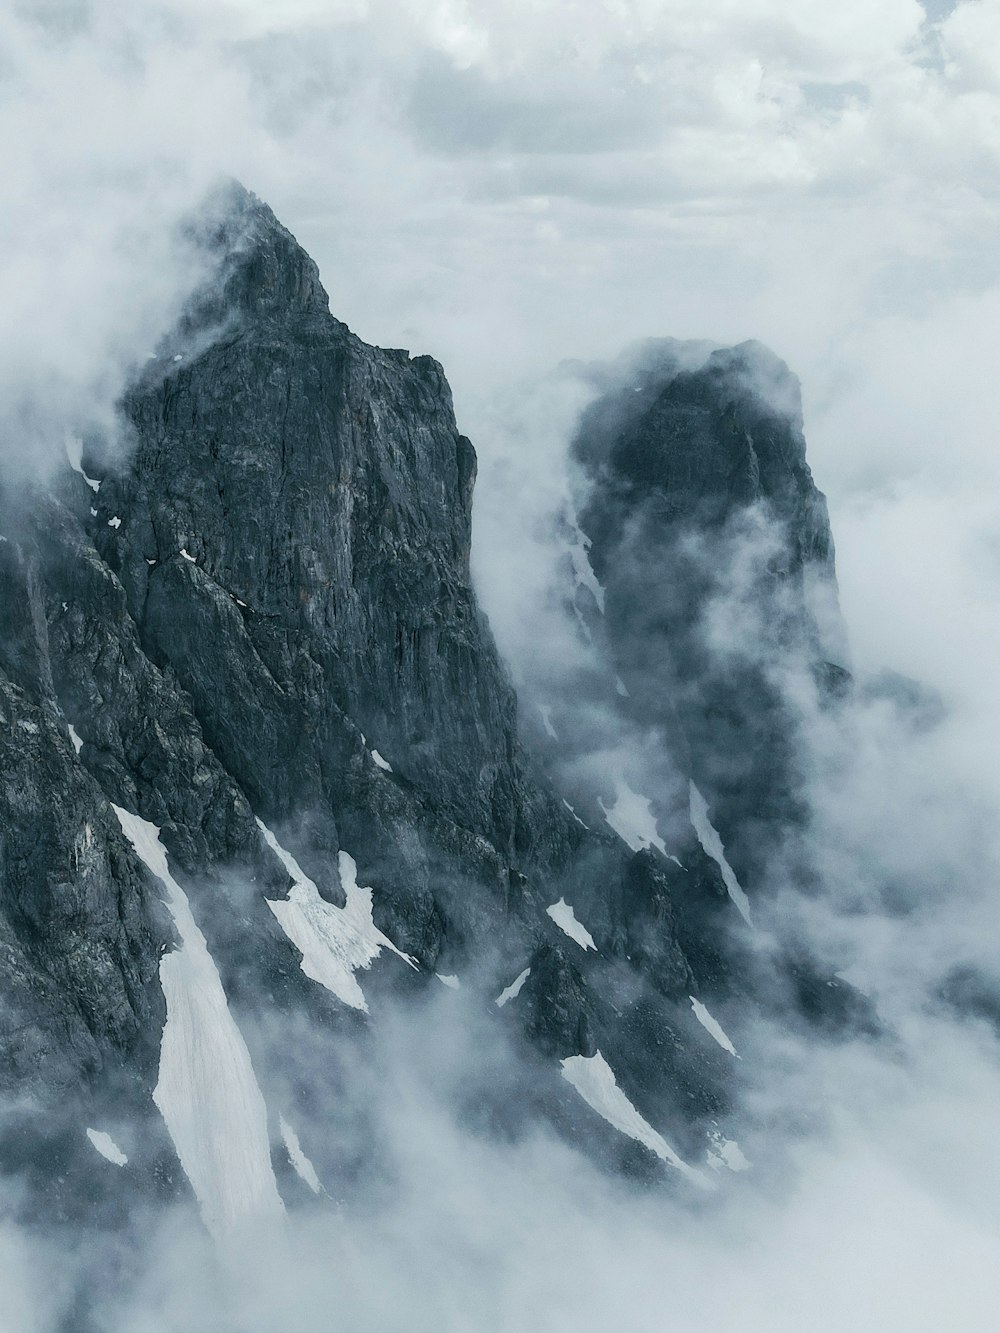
x,y
759,376
714,548
246,674
709,429
264,272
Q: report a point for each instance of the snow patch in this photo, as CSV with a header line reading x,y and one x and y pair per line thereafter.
x,y
77,742
712,1026
114,522
725,1153
565,918
74,454
712,846
546,713
583,572
574,814
451,982
303,1167
107,1147
334,941
206,1091
512,991
382,763
594,1080
633,820
187,556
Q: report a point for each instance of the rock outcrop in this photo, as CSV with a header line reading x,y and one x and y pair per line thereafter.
x,y
243,672
714,549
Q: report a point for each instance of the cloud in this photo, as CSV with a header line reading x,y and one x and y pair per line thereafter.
x,y
474,179
887,1223
101,129
506,186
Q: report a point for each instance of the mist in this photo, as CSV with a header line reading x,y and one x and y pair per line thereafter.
x,y
509,191
885,1217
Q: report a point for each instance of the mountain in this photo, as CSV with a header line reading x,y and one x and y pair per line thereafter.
x,y
264,775
714,548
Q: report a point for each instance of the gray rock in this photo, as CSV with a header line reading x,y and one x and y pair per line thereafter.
x,y
274,586
714,548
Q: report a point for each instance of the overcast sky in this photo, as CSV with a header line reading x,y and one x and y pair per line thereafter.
x,y
508,183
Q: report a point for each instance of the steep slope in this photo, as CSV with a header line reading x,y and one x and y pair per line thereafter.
x,y
714,549
254,709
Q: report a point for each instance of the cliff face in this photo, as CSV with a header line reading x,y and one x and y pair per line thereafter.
x,y
256,736
714,548
323,494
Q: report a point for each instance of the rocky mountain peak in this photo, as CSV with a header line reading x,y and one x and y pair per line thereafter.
x,y
263,272
286,787
714,548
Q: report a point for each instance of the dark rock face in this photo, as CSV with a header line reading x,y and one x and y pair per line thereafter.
x,y
323,493
714,548
556,1004
646,924
81,934
971,992
261,609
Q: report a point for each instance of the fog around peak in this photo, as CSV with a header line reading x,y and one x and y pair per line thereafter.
x,y
506,189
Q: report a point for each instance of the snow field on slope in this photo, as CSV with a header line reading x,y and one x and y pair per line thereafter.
x,y
74,455
334,942
583,571
303,1167
512,991
712,1026
725,1153
594,1079
565,918
633,820
546,714
107,1147
712,846
574,814
206,1092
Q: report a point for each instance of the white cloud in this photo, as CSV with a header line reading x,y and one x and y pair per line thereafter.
x,y
506,185
970,39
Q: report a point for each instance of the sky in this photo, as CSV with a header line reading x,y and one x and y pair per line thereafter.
x,y
509,186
